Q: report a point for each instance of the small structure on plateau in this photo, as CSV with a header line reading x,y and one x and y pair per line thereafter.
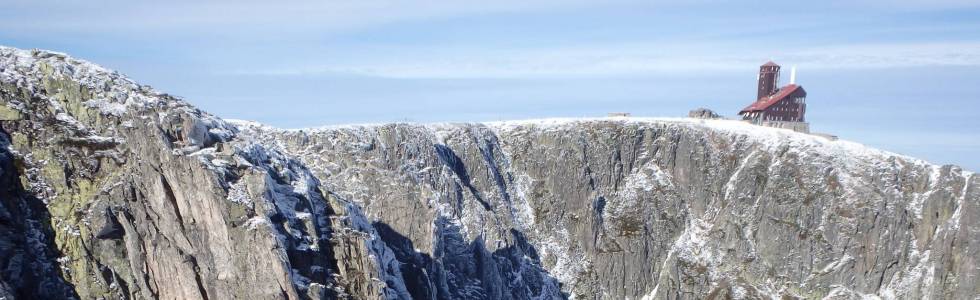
x,y
783,107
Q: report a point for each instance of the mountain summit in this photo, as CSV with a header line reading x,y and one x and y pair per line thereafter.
x,y
110,189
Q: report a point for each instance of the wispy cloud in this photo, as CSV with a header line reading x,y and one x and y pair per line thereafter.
x,y
890,55
244,16
639,60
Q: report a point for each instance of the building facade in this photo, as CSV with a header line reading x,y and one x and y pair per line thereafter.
x,y
774,106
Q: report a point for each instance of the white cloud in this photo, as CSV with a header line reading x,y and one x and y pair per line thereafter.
x,y
890,55
640,60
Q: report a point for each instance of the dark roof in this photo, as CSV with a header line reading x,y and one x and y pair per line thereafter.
x,y
770,64
766,102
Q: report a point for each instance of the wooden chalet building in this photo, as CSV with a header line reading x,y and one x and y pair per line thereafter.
x,y
783,107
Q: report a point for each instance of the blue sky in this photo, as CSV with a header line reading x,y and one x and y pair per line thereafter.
x,y
901,75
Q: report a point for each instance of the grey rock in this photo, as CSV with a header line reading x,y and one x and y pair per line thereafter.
x,y
666,209
185,209
703,113
28,267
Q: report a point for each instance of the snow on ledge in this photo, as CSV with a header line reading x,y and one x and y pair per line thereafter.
x,y
767,137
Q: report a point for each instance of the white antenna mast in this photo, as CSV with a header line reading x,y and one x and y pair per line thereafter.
x,y
792,75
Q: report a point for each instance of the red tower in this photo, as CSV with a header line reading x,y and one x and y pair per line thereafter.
x,y
768,79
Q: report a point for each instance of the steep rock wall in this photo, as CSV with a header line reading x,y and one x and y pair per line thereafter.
x,y
126,192
656,208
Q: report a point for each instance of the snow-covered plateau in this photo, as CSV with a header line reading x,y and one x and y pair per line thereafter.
x,y
111,189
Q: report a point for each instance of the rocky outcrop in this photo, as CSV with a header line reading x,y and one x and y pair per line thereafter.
x,y
132,193
703,113
111,189
29,264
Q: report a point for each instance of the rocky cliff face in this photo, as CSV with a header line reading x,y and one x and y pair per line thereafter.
x,y
113,190
638,208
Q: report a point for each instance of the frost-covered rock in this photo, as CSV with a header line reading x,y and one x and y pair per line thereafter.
x,y
118,191
113,190
650,208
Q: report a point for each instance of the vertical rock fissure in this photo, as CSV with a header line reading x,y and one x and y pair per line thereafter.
x,y
172,199
197,277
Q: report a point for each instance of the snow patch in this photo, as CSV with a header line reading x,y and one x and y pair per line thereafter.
x,y
256,221
238,193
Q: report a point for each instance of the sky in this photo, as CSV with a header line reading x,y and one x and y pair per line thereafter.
x,y
902,76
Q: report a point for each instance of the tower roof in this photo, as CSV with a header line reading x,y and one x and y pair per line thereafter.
x,y
770,64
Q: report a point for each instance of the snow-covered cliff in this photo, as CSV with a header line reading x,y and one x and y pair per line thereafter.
x,y
126,192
